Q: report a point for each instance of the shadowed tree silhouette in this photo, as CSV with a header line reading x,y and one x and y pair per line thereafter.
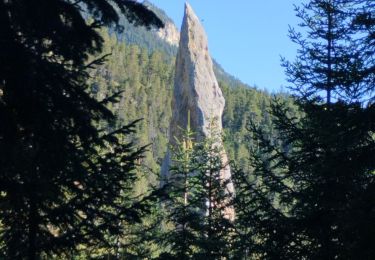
x,y
308,194
63,180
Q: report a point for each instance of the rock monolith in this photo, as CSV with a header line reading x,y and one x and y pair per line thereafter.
x,y
196,92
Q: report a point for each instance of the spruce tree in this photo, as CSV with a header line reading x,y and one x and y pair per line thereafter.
x,y
216,232
65,175
309,192
197,201
184,208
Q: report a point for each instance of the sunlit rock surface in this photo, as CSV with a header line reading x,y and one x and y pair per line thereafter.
x,y
169,33
196,90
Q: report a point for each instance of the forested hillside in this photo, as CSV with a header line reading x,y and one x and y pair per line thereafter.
x,y
85,109
144,78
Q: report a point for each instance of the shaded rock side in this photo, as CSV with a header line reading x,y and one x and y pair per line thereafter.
x,y
196,90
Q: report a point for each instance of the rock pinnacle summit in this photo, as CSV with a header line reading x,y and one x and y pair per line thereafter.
x,y
197,93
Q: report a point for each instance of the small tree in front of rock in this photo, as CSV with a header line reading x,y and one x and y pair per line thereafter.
x,y
197,200
215,239
183,209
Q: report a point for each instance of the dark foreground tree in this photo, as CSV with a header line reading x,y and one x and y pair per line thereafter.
x,y
63,181
309,195
198,225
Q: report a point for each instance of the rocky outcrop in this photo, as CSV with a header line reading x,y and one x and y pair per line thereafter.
x,y
169,33
196,90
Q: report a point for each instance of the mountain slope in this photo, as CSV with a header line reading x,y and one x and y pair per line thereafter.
x,y
142,68
166,41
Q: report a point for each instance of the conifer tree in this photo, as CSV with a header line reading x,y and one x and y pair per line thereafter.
x,y
183,206
198,198
311,201
63,180
215,240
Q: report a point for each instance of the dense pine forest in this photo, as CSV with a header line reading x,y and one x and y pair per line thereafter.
x,y
86,93
145,77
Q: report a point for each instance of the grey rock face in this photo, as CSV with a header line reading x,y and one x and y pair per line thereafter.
x,y
169,33
196,90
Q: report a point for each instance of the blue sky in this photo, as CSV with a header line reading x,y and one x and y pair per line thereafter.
x,y
247,37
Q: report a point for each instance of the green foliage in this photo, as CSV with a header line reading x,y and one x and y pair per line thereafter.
x,y
72,179
63,181
307,193
197,200
183,206
217,229
145,80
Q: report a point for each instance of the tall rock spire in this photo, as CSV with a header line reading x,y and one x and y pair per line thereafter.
x,y
196,90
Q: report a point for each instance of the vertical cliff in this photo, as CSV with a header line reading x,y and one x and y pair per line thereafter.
x,y
196,90
169,33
